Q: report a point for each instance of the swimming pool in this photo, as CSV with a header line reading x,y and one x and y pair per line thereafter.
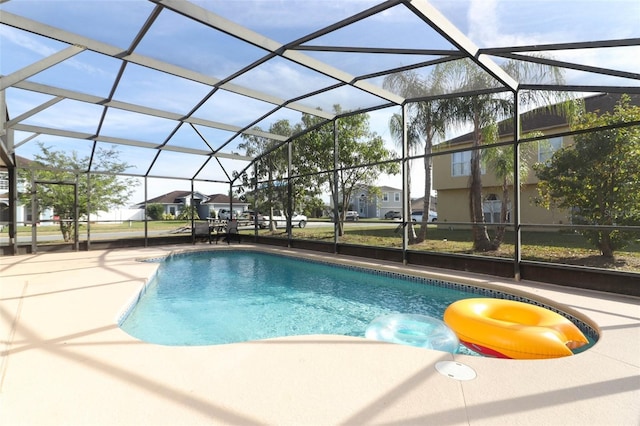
x,y
217,297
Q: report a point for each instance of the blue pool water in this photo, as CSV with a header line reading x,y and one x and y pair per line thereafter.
x,y
216,297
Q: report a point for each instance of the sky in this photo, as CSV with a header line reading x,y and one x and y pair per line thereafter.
x,y
488,23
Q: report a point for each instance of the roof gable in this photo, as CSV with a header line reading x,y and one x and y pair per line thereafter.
x,y
222,199
175,197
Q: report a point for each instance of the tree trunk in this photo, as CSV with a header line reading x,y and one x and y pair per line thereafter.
x,y
66,228
426,206
412,231
272,223
342,215
606,247
499,237
481,241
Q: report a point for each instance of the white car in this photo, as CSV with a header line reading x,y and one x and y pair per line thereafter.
x,y
280,220
416,216
352,215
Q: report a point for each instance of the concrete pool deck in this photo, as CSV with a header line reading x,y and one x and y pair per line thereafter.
x,y
66,362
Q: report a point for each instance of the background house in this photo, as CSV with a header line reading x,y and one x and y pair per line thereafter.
x,y
418,204
390,200
375,204
23,212
368,203
207,205
215,202
451,172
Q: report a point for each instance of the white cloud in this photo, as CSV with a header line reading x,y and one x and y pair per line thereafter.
x,y
483,20
287,13
34,44
25,41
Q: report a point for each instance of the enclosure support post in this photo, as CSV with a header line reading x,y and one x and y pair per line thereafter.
x,y
255,203
230,202
517,243
13,203
192,216
289,191
146,220
34,215
336,158
405,186
89,211
76,212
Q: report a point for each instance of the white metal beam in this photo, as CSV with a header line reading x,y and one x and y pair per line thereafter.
x,y
41,65
123,141
34,111
442,25
125,106
44,30
209,18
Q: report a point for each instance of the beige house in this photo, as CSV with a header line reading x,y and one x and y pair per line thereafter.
x,y
451,172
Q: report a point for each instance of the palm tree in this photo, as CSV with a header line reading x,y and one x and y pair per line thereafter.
x,y
500,160
426,123
483,110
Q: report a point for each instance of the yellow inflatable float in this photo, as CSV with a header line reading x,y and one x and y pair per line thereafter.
x,y
509,329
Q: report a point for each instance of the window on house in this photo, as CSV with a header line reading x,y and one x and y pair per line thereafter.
x,y
4,181
396,196
385,197
547,147
461,163
491,207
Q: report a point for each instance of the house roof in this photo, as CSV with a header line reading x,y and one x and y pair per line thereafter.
x,y
417,203
222,199
175,197
172,197
545,118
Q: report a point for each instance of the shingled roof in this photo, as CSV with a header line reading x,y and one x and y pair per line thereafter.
x,y
169,198
176,197
544,118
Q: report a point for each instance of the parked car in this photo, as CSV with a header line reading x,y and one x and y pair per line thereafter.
x,y
226,214
393,214
416,216
352,215
280,220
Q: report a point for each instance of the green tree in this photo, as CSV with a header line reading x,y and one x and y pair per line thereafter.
x,y
272,164
155,211
483,110
362,156
598,177
426,122
96,191
187,212
499,160
312,207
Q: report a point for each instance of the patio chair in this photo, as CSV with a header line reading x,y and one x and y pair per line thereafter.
x,y
202,230
231,232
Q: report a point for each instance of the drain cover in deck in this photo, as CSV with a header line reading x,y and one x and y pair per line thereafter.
x,y
455,370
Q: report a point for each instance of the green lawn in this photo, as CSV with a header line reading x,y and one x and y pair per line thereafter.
x,y
109,227
551,246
